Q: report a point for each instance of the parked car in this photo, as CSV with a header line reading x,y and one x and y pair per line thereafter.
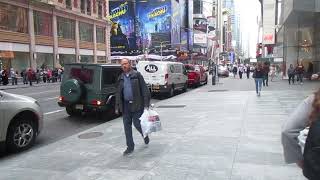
x,y
223,71
203,74
193,76
89,88
164,77
21,121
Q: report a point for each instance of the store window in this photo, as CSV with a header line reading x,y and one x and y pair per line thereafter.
x,y
100,35
66,28
20,61
13,18
42,23
45,60
86,59
86,32
101,59
66,58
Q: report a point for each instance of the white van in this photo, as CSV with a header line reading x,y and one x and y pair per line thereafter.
x,y
164,76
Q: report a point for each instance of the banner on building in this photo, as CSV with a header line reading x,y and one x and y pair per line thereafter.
x,y
269,10
200,38
122,33
154,19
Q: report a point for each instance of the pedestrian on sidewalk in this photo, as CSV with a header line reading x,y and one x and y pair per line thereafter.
x,y
131,98
248,71
291,72
266,70
24,76
258,75
234,70
241,70
13,76
38,76
311,153
297,121
5,77
272,71
30,76
300,72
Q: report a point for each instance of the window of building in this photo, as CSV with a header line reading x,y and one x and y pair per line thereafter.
x,y
197,7
66,28
42,23
86,32
68,4
101,59
100,35
66,58
83,6
13,18
100,9
89,7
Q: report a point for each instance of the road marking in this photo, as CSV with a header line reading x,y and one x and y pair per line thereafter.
x,y
41,92
52,112
51,98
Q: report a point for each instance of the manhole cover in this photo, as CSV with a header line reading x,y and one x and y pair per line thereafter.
x,y
90,135
218,90
171,106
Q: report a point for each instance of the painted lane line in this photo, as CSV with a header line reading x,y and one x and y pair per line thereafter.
x,y
40,92
52,112
51,98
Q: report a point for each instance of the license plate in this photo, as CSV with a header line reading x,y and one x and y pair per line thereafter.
x,y
79,106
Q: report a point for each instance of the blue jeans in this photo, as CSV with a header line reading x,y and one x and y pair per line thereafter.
x,y
128,118
258,82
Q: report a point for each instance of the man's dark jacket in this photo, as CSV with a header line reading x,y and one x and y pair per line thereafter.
x,y
140,92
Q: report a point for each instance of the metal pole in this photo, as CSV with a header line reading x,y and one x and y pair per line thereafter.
x,y
161,50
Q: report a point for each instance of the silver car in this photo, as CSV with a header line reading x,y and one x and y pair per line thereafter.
x,y
21,121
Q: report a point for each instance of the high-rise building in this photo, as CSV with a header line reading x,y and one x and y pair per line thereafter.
x,y
50,33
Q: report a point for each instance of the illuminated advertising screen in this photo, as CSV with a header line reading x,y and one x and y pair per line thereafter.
x,y
176,24
122,33
154,21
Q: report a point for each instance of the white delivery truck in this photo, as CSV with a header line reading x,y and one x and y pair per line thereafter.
x,y
164,77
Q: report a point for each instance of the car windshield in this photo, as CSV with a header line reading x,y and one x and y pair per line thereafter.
x,y
189,68
83,74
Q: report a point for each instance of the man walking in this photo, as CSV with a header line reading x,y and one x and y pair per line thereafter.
x,y
132,97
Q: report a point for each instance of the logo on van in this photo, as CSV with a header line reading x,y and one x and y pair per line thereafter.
x,y
151,68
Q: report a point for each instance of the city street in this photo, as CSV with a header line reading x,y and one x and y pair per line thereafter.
x,y
222,132
57,123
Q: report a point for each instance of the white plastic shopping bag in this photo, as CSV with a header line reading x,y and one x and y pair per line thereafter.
x,y
302,138
150,122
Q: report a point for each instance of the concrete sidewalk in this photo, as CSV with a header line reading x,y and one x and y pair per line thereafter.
x,y
207,134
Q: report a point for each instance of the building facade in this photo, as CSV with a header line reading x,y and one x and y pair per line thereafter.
x,y
50,33
298,33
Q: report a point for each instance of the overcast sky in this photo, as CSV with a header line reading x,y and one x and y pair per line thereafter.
x,y
249,10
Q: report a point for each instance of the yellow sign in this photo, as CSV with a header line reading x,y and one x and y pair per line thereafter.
x,y
119,11
157,12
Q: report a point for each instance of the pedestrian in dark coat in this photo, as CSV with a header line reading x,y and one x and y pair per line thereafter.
x,y
5,77
258,75
132,97
30,76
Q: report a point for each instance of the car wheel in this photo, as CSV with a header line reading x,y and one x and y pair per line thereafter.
x,y
73,112
185,87
21,135
206,82
171,91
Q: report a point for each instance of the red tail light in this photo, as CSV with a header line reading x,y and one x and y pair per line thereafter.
x,y
96,102
61,98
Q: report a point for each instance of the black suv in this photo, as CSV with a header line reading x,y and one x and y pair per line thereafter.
x,y
89,88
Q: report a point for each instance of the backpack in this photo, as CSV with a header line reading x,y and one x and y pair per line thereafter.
x,y
311,154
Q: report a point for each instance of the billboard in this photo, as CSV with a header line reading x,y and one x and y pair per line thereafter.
x,y
176,24
122,34
268,36
154,19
